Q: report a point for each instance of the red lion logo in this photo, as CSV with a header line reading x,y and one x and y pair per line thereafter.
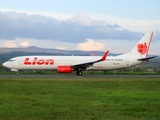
x,y
142,48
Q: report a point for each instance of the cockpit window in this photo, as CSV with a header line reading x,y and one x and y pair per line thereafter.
x,y
11,60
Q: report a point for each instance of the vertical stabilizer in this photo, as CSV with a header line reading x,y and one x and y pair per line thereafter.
x,y
142,47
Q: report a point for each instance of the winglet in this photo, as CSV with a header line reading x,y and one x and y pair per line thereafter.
x,y
94,54
104,56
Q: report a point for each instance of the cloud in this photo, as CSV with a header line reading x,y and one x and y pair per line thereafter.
x,y
61,48
59,17
10,44
133,25
90,45
82,19
24,44
76,30
50,31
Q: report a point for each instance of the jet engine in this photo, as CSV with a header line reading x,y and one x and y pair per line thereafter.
x,y
64,69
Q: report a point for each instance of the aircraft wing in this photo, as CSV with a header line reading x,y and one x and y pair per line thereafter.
x,y
146,59
87,64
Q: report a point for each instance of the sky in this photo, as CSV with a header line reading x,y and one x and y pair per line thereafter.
x,y
87,25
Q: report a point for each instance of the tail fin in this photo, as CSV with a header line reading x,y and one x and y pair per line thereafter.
x,y
142,48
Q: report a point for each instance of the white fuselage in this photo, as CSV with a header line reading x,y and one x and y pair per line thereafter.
x,y
52,62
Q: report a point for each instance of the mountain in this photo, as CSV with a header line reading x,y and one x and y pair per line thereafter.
x,y
33,49
30,49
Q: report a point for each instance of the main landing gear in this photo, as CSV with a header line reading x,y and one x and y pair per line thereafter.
x,y
79,73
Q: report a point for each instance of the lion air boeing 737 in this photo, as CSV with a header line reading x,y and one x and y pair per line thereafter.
x,y
67,64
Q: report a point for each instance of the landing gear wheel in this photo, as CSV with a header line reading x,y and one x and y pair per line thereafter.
x,y
79,73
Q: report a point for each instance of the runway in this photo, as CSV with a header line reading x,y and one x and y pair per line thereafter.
x,y
83,76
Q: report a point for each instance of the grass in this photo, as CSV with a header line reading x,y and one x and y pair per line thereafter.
x,y
80,99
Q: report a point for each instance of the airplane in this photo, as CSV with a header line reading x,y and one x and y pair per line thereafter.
x,y
68,64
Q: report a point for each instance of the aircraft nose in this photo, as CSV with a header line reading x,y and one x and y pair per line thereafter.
x,y
5,64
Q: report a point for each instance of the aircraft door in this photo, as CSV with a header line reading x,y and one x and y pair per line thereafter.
x,y
20,61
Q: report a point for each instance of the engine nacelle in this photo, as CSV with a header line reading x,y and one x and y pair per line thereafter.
x,y
64,69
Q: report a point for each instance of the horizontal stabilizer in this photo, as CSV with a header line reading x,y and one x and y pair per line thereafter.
x,y
147,58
